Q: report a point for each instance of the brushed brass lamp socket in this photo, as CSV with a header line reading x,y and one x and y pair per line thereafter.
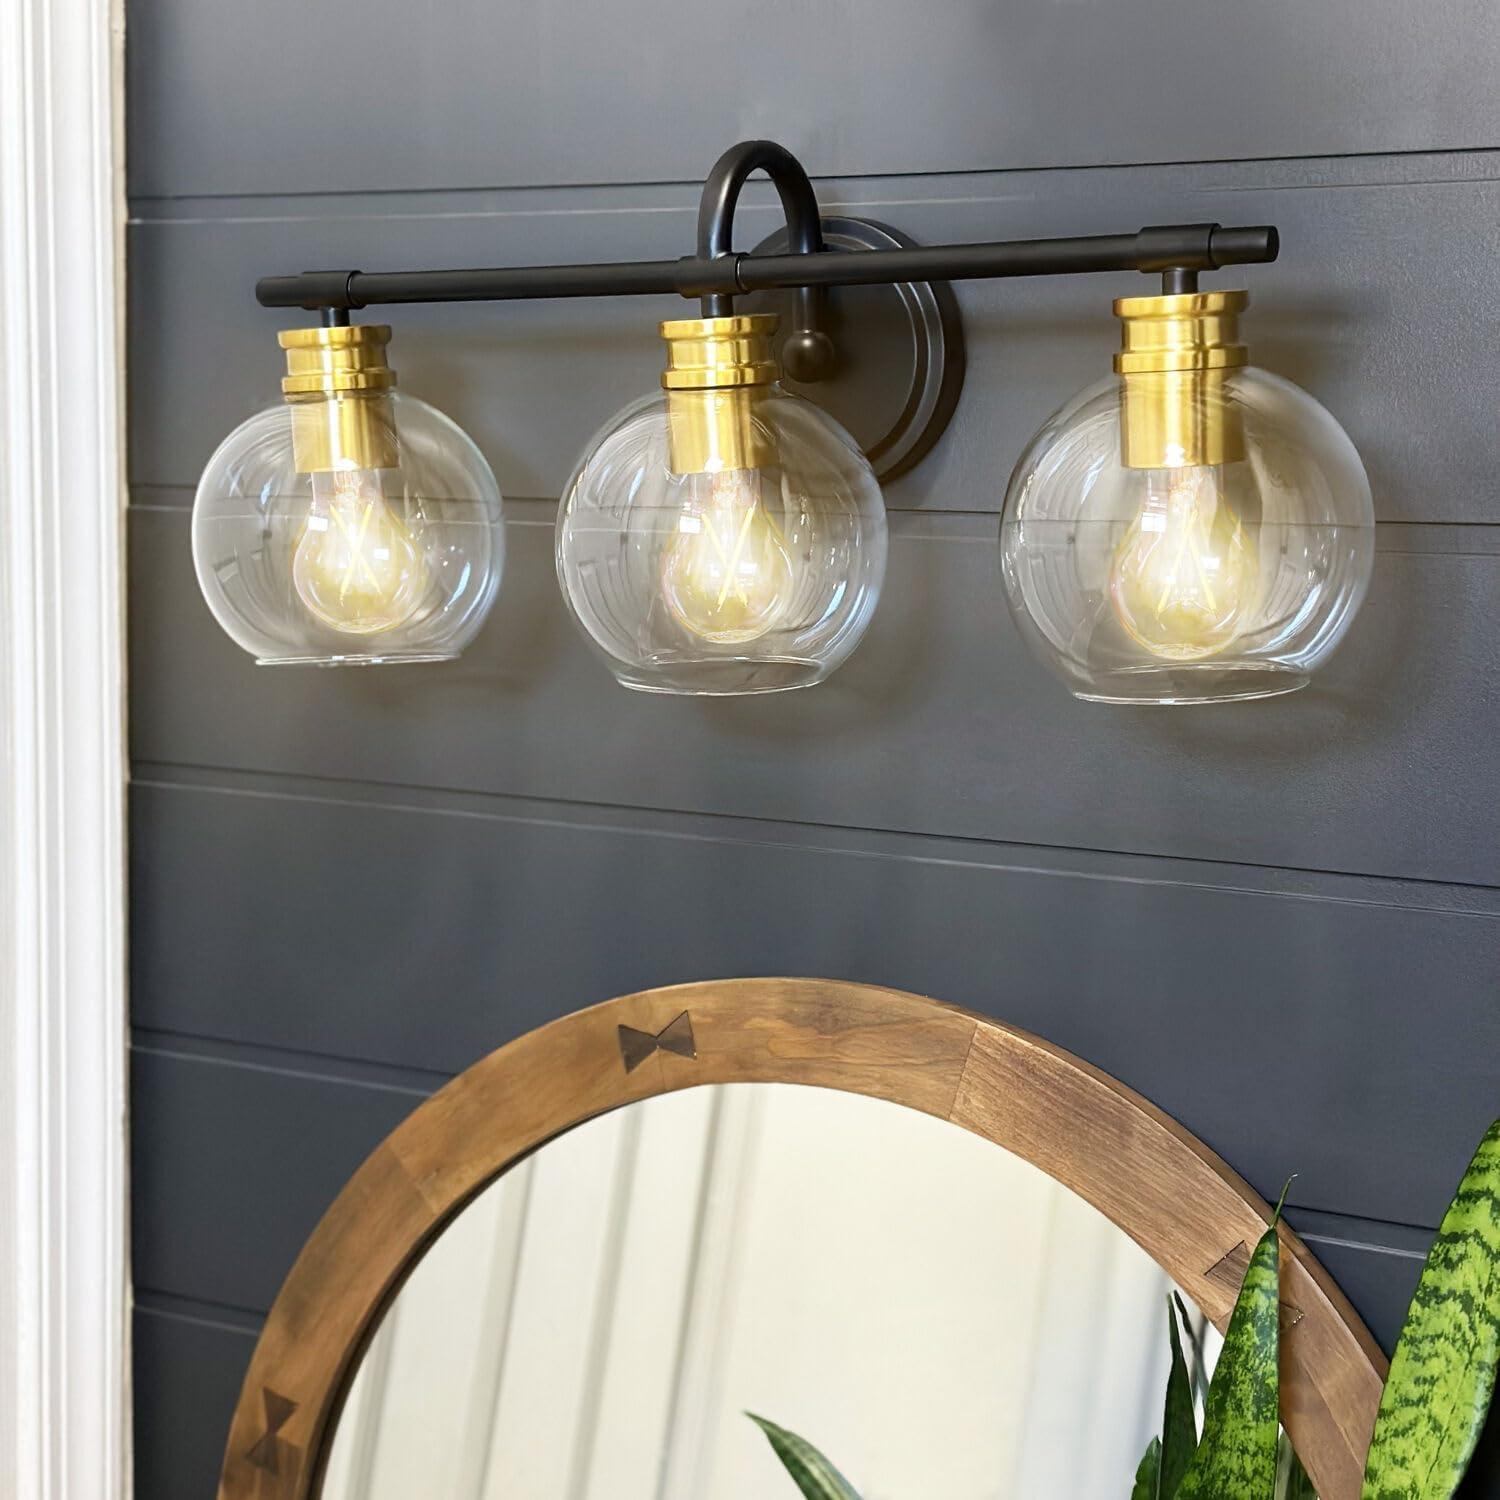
x,y
338,386
1176,354
718,371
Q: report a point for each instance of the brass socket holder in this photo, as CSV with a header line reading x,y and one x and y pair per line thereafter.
x,y
718,371
1175,355
338,386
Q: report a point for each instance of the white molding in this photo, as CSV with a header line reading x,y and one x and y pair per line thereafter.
x,y
63,1288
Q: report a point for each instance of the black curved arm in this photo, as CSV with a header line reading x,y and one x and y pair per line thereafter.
x,y
808,352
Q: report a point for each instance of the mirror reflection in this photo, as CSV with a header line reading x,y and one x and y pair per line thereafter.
x,y
939,1317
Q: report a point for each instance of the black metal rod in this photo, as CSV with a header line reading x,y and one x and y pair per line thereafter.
x,y
353,289
1185,247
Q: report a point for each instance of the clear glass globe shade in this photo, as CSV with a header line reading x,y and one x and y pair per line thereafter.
x,y
1188,583
352,566
741,581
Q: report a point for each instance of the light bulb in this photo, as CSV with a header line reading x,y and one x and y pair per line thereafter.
x,y
727,574
357,566
1185,570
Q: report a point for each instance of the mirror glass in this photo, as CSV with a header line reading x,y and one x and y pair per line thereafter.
x,y
938,1316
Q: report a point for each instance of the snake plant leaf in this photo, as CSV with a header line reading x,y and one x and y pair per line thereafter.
x,y
1443,1375
1148,1475
1179,1427
814,1475
1237,1458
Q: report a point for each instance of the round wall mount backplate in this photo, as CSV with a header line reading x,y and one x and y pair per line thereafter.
x,y
900,351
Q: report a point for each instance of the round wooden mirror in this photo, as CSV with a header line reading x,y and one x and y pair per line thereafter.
x,y
1172,1196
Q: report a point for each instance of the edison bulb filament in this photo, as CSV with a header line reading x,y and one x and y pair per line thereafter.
x,y
1185,571
357,567
727,575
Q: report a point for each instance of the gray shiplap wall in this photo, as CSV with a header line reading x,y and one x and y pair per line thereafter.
x,y
1280,921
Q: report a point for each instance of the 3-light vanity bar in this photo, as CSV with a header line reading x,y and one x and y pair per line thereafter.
x,y
1189,530
1178,251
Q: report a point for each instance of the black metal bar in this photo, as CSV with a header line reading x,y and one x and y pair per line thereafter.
x,y
1238,247
352,289
316,290
807,352
1188,247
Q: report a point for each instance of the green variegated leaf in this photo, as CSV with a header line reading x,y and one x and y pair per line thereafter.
x,y
1148,1475
1292,1482
1237,1458
814,1475
1179,1427
1443,1375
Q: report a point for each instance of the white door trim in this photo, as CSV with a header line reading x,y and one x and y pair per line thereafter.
x,y
63,1274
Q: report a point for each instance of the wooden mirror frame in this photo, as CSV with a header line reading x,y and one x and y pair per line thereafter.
x,y
1137,1166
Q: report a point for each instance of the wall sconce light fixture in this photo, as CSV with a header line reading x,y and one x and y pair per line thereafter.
x,y
726,536
348,524
1189,530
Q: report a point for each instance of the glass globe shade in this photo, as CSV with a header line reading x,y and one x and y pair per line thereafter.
x,y
739,581
1188,583
353,566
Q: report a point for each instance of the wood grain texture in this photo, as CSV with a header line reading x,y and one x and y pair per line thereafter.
x,y
1175,1198
1144,1172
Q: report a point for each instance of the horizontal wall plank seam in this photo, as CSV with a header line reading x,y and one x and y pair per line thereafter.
x,y
226,1316
156,775
316,1070
1387,533
288,1062
142,1308
138,203
1400,1251
171,498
